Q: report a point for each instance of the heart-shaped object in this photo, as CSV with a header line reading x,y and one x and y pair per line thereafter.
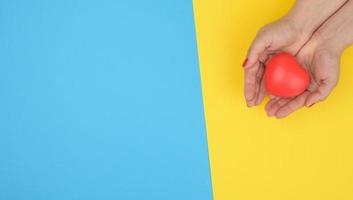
x,y
284,77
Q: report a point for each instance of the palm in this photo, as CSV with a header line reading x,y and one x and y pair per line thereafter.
x,y
323,68
273,38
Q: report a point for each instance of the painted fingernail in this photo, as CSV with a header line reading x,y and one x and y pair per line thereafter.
x,y
245,62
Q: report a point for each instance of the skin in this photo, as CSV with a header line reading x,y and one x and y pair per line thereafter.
x,y
310,35
321,56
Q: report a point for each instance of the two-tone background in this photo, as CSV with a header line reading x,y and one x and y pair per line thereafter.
x,y
143,100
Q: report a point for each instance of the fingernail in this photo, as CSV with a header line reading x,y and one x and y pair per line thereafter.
x,y
269,114
251,103
258,102
245,62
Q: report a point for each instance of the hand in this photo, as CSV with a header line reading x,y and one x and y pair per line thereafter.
x,y
321,56
287,34
275,37
322,63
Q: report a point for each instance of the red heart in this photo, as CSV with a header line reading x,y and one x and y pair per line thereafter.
x,y
284,77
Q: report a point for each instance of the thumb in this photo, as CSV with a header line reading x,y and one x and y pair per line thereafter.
x,y
321,93
326,70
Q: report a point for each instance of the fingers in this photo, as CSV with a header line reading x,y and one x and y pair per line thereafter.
x,y
269,105
261,93
254,90
275,104
292,106
321,93
254,86
255,51
251,84
325,74
282,107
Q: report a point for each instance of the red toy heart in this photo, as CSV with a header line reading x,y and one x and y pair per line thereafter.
x,y
284,77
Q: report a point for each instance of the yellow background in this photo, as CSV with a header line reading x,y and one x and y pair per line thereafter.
x,y
308,155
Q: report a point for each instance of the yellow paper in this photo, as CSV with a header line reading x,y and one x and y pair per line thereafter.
x,y
306,156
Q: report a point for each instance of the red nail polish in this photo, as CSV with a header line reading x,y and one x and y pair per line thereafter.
x,y
245,61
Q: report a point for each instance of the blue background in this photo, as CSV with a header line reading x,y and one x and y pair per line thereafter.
x,y
100,100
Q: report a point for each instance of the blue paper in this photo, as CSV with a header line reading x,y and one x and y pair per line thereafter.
x,y
101,100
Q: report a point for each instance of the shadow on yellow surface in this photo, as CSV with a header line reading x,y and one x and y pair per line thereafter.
x,y
308,155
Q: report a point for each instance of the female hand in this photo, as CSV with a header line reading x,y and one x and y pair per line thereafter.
x,y
287,34
322,63
282,35
321,56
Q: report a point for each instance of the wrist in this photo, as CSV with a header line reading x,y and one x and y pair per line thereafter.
x,y
337,32
300,27
305,17
323,42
